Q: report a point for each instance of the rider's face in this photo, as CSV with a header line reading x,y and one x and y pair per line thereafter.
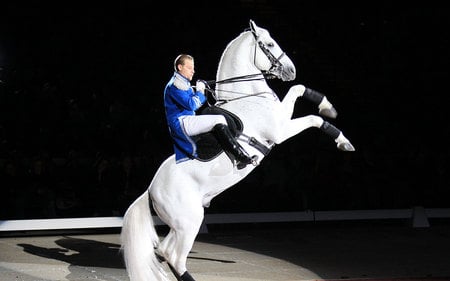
x,y
187,69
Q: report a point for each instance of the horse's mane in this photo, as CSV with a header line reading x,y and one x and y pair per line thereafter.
x,y
227,48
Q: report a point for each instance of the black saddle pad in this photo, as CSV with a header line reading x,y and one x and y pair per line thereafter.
x,y
208,147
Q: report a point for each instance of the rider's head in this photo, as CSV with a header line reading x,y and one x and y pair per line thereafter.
x,y
184,65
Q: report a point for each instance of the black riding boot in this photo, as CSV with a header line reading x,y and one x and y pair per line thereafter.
x,y
231,146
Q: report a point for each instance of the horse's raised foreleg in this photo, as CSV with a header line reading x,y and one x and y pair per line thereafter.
x,y
342,142
325,107
292,127
295,126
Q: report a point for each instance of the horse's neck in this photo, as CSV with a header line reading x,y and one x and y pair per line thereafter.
x,y
237,61
251,99
231,63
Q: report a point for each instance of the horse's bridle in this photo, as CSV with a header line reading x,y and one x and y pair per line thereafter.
x,y
276,66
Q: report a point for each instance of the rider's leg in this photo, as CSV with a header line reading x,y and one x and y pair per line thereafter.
x,y
230,145
194,125
199,124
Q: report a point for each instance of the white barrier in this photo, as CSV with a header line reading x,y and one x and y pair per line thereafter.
x,y
418,215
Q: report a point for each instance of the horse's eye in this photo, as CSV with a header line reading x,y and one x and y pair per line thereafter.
x,y
270,44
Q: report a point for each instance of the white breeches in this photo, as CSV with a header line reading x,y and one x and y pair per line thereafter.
x,y
199,124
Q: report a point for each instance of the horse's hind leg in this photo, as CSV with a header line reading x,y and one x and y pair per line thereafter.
x,y
185,277
177,244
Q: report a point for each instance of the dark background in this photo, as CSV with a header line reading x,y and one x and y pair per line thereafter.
x,y
82,128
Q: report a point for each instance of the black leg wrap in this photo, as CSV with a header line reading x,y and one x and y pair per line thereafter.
x,y
330,130
313,96
187,277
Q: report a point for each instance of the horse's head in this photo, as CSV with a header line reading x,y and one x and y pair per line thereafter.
x,y
269,57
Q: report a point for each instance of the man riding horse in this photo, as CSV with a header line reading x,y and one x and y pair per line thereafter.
x,y
181,102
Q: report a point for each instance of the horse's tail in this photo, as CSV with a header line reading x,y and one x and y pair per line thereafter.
x,y
138,239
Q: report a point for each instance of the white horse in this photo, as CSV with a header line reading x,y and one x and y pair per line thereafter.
x,y
180,192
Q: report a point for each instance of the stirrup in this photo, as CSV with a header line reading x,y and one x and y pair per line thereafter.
x,y
254,162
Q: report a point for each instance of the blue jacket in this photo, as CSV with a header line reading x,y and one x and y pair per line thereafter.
x,y
180,100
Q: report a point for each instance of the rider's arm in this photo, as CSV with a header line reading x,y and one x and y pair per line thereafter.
x,y
188,99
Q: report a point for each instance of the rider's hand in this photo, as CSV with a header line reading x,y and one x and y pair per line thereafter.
x,y
200,86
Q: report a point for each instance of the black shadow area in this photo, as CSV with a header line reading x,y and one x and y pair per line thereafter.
x,y
85,252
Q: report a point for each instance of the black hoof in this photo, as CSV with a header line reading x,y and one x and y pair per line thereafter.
x,y
187,277
184,277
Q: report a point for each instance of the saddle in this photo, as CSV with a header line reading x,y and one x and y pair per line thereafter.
x,y
208,147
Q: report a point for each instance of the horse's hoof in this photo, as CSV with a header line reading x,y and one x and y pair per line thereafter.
x,y
186,277
345,146
328,112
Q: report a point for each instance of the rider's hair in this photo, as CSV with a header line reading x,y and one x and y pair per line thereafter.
x,y
180,59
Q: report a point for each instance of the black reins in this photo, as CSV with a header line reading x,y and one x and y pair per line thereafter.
x,y
243,78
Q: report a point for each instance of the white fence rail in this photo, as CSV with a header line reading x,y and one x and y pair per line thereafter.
x,y
419,218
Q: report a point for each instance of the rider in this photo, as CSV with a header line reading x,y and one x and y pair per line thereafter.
x,y
181,101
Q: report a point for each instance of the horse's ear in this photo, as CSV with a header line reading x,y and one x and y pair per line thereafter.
x,y
252,26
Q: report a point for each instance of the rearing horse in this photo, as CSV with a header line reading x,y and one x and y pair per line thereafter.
x,y
180,192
